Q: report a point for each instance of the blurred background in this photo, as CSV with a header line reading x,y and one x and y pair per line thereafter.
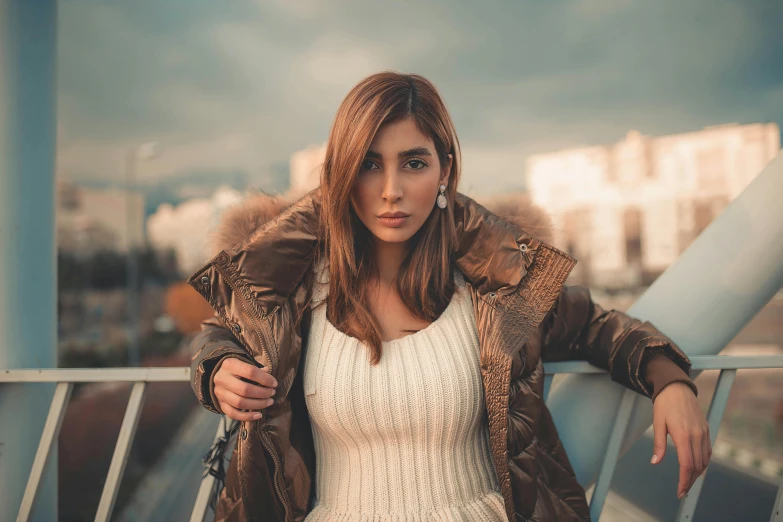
x,y
632,124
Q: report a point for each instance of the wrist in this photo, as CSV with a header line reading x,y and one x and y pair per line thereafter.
x,y
676,387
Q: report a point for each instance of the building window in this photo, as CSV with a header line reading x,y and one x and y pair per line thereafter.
x,y
633,236
711,170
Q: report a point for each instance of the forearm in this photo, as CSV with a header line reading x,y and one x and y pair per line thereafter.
x,y
579,328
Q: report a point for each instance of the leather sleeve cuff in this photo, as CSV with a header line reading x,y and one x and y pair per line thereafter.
x,y
660,371
203,371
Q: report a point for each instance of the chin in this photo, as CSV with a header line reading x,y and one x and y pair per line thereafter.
x,y
392,235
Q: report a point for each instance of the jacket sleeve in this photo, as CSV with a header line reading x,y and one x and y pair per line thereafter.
x,y
213,345
635,353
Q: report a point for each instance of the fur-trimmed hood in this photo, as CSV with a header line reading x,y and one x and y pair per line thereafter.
x,y
240,221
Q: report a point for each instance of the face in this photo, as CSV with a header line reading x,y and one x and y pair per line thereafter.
x,y
398,182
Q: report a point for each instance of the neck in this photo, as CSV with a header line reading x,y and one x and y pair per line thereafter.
x,y
388,258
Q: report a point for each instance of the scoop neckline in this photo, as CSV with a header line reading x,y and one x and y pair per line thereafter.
x,y
393,342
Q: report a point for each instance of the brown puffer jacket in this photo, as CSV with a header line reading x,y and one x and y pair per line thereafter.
x,y
525,316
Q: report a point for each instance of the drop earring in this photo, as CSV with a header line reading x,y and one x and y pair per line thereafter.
x,y
442,201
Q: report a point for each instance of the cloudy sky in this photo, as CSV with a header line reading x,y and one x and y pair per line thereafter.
x,y
231,88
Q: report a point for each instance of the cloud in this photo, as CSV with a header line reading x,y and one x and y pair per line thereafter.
x,y
518,77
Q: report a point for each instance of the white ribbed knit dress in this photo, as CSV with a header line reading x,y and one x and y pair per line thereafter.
x,y
406,440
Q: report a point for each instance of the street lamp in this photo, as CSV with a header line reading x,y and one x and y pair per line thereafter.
x,y
143,152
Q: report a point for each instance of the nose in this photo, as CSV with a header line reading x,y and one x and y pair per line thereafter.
x,y
392,189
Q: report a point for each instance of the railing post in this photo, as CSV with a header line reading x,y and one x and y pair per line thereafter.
x,y
609,464
121,452
28,297
717,408
208,481
47,443
777,509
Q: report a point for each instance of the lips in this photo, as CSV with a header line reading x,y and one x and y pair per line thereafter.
x,y
393,219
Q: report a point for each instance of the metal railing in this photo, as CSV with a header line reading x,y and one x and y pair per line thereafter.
x,y
728,366
65,379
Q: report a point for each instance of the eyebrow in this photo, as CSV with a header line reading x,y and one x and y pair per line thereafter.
x,y
416,151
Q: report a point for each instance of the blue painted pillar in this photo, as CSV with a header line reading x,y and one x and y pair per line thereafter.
x,y
28,280
701,302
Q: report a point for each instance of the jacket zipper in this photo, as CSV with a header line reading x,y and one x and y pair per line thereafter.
x,y
282,493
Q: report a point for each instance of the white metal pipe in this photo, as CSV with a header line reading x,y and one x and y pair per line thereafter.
x,y
28,290
702,301
165,374
48,441
609,463
121,452
698,362
208,481
717,408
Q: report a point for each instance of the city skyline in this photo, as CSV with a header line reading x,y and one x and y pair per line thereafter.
x,y
629,209
626,210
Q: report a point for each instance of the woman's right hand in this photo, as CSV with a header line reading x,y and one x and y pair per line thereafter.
x,y
234,394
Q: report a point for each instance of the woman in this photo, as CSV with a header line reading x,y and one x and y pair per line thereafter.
x,y
381,341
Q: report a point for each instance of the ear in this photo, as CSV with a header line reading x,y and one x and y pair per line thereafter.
x,y
446,171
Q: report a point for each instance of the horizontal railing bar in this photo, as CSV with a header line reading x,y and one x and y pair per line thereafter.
x,y
180,373
714,417
737,362
51,429
121,452
700,362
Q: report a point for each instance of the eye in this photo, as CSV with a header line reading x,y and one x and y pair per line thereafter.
x,y
417,164
367,165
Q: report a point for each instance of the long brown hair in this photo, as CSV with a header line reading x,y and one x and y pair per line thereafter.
x,y
425,280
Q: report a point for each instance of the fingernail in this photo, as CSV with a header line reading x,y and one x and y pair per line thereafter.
x,y
257,416
273,392
271,401
274,383
654,459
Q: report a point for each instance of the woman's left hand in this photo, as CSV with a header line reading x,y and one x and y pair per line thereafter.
x,y
676,413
